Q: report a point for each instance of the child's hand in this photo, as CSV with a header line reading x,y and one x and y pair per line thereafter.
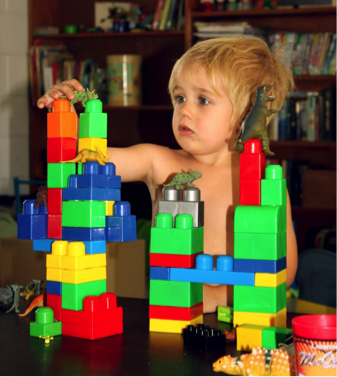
x,y
64,88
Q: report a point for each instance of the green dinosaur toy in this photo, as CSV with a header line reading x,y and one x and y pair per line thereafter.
x,y
255,124
82,96
182,179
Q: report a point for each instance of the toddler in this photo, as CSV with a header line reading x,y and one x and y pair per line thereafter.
x,y
212,87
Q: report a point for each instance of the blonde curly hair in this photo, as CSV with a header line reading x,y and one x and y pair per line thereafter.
x,y
243,63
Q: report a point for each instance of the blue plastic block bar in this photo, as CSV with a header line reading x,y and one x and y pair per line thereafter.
x,y
262,266
29,208
54,287
122,209
32,227
101,194
83,234
121,229
93,167
95,247
160,273
104,181
43,245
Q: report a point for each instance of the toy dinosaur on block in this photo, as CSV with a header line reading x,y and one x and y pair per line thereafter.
x,y
82,96
41,197
182,179
89,155
260,362
255,124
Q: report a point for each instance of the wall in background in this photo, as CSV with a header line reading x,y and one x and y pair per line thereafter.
x,y
14,101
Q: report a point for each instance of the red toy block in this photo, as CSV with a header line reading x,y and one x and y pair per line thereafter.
x,y
96,311
54,229
54,201
55,302
176,313
250,193
252,161
172,260
92,333
61,149
61,122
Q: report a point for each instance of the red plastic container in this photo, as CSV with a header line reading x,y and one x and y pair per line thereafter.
x,y
315,345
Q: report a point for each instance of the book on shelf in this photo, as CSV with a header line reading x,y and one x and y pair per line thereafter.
x,y
307,116
173,13
205,30
164,15
157,14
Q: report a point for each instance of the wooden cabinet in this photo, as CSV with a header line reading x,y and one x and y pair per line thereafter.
x,y
151,122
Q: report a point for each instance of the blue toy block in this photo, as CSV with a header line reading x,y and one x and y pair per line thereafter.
x,y
32,227
54,287
101,194
263,266
204,273
121,228
83,234
29,208
95,247
160,273
93,167
99,181
43,245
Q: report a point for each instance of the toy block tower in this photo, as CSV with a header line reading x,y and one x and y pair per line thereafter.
x,y
260,247
85,212
176,240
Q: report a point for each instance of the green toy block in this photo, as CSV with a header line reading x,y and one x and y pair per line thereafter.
x,y
225,314
273,187
73,294
260,246
258,219
45,324
259,299
58,174
93,123
182,240
272,337
83,214
80,168
175,293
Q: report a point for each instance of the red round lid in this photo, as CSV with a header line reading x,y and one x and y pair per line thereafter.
x,y
315,326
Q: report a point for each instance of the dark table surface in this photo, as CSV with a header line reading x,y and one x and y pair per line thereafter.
x,y
135,352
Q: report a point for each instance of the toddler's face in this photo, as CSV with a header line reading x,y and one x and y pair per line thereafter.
x,y
201,118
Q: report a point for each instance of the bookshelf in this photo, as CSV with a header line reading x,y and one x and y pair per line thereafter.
x,y
151,122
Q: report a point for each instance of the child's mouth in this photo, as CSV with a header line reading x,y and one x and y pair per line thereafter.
x,y
185,131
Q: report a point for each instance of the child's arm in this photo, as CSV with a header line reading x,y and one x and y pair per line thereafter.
x,y
64,88
291,246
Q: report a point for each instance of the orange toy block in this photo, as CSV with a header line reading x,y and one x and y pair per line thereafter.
x,y
61,122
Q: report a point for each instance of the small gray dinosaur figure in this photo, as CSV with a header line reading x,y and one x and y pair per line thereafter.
x,y
182,179
255,125
16,288
82,96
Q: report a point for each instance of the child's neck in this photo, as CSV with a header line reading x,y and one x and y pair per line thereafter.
x,y
222,158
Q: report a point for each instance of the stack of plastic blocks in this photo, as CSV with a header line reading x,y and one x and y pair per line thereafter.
x,y
260,234
173,304
32,223
76,291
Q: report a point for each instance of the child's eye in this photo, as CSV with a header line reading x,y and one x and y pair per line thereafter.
x,y
179,99
204,101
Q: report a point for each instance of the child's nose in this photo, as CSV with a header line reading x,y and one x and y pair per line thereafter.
x,y
186,110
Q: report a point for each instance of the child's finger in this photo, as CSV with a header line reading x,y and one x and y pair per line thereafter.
x,y
75,85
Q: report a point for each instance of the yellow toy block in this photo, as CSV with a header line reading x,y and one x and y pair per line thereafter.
x,y
91,143
76,259
83,276
54,274
59,249
261,319
249,336
270,280
109,208
172,326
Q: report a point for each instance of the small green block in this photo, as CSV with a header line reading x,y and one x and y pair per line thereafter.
x,y
83,214
58,174
79,168
273,192
93,123
73,294
260,299
45,324
182,240
258,219
175,293
273,336
225,314
260,246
